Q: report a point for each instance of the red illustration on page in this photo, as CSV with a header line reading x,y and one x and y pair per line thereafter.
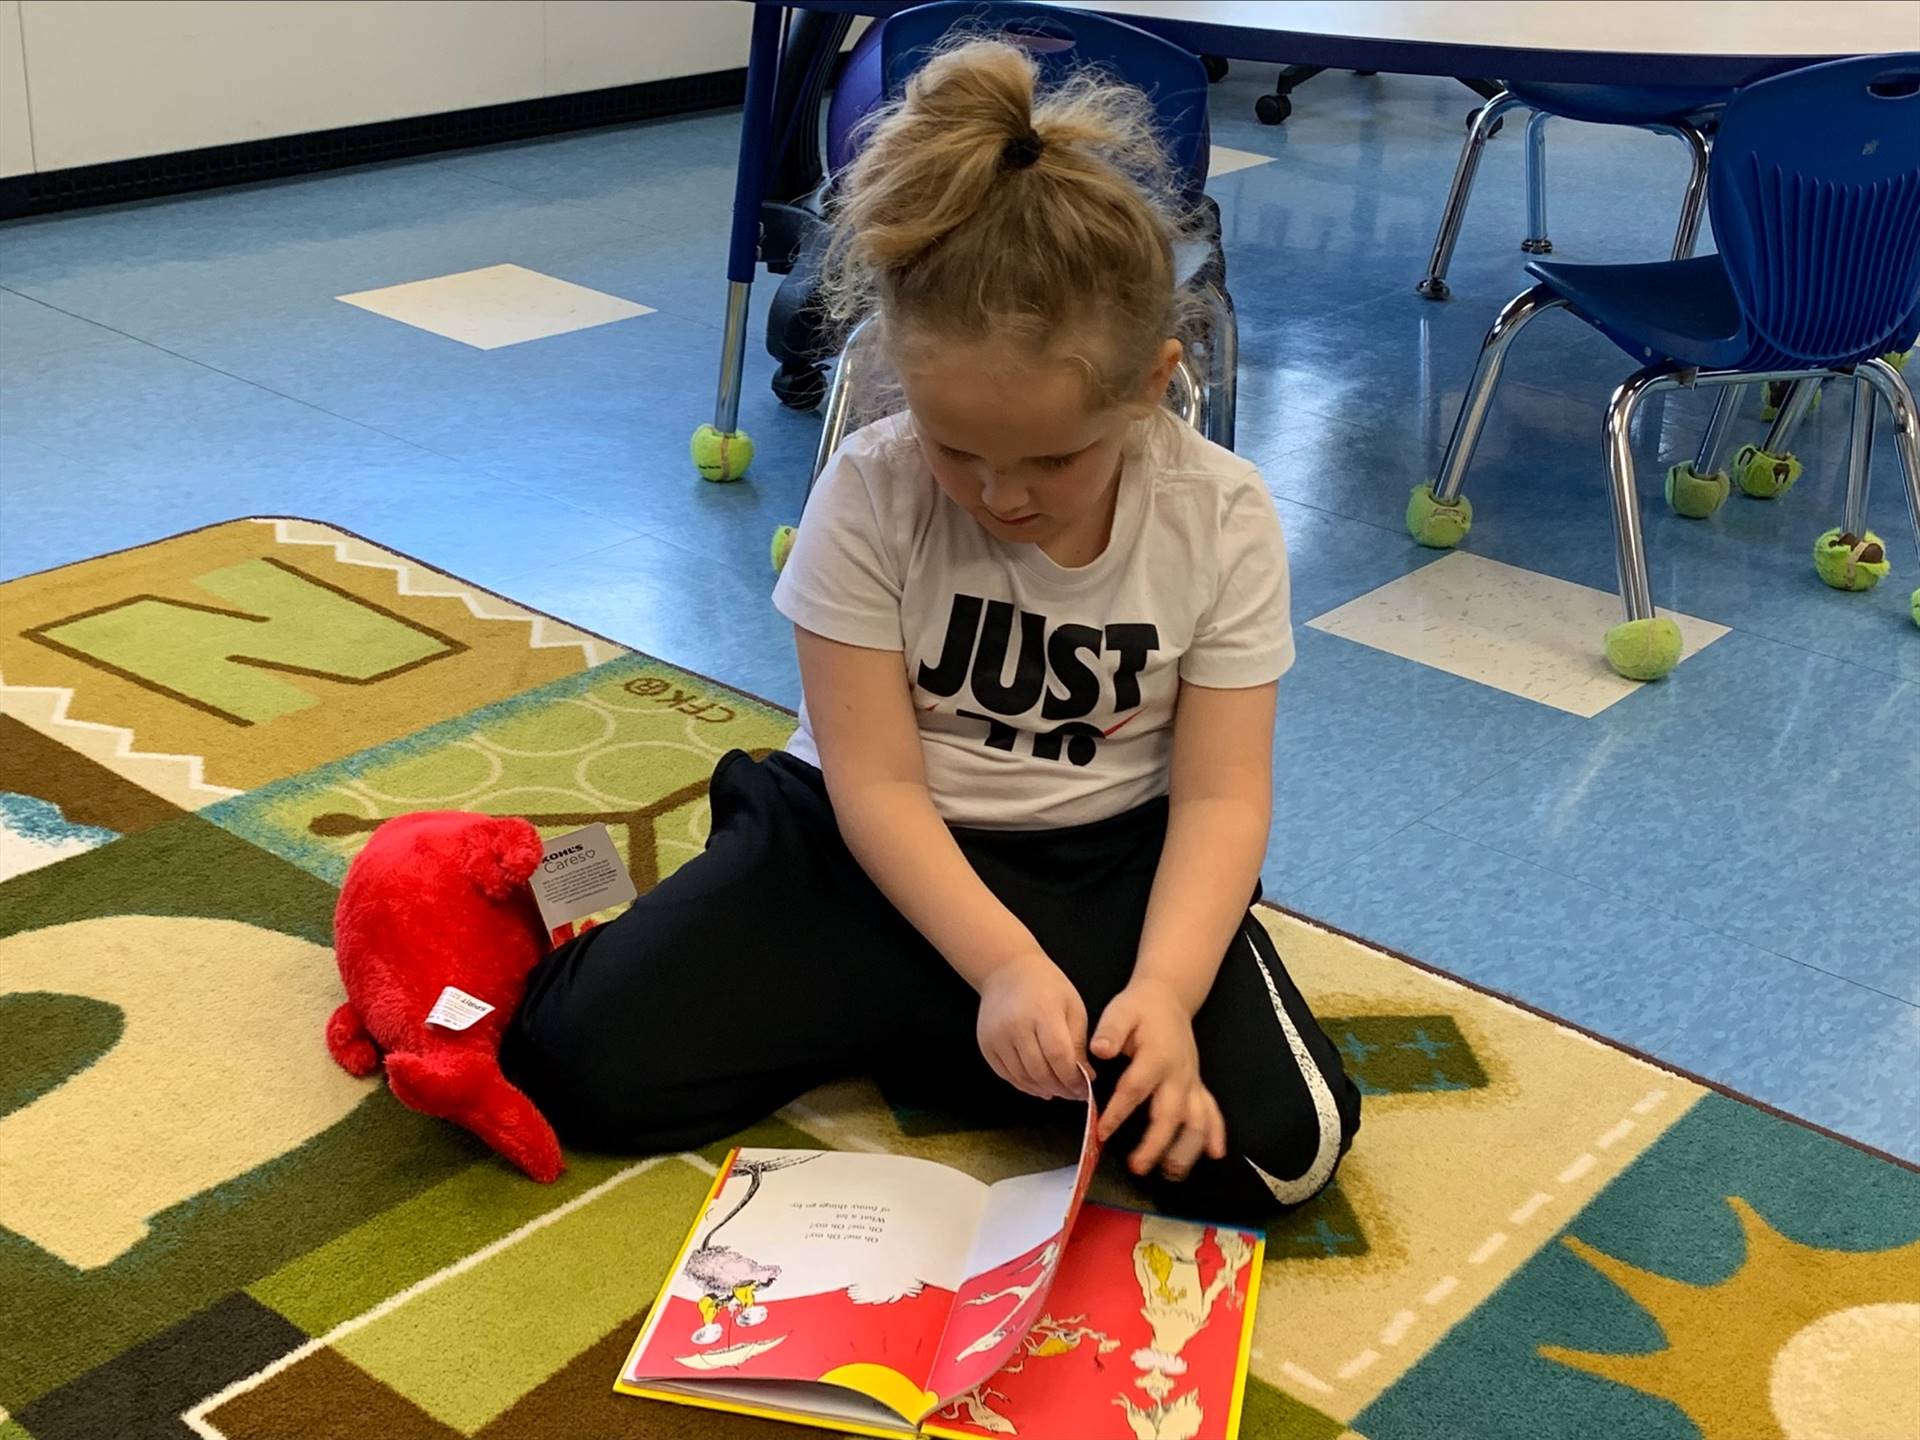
x,y
1011,1267
1140,1339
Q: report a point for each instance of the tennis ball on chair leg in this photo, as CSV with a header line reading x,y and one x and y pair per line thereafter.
x,y
1437,526
781,547
721,457
1764,476
1850,562
1773,395
1694,495
1644,649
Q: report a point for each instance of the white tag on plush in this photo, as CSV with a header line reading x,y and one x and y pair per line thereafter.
x,y
457,1010
580,874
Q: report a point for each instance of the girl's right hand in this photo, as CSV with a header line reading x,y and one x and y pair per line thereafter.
x,y
1033,1028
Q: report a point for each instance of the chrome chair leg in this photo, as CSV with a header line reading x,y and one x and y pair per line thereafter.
x,y
1893,389
1537,242
833,429
1630,552
1434,286
1519,312
1725,406
1220,399
1853,520
1687,233
1768,470
833,420
1184,390
1798,402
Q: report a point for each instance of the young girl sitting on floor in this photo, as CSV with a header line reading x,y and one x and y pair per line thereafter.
x,y
1039,625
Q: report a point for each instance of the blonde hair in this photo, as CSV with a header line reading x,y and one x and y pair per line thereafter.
x,y
982,206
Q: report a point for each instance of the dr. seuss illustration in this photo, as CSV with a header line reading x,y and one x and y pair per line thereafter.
x,y
899,1297
729,1281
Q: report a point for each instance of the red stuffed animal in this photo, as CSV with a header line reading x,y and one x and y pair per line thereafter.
x,y
441,899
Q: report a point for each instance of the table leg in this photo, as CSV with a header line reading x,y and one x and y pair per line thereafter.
x,y
721,451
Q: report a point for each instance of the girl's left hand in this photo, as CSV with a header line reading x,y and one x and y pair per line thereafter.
x,y
1147,1023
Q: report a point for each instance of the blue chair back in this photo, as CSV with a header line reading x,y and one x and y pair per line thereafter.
x,y
1062,41
1815,196
855,93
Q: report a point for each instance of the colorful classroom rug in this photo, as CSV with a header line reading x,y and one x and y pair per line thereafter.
x,y
207,1229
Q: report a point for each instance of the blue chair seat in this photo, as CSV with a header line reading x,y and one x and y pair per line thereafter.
x,y
1682,310
1618,104
1815,195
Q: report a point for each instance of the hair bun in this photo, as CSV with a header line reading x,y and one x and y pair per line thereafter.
x,y
1076,263
1022,150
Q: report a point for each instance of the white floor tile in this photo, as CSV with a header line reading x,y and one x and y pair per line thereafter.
x,y
1528,634
1224,160
495,306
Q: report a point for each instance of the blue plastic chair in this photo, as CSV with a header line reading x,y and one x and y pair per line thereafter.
x,y
881,60
1683,111
1062,41
860,87
1815,196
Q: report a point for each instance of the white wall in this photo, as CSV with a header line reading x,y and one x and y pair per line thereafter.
x,y
16,135
593,44
88,81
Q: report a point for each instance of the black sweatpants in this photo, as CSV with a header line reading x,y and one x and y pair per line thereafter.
x,y
771,963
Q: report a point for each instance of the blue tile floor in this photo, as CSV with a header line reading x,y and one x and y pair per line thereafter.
x,y
1722,869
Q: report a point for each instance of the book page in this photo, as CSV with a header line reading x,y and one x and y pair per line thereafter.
x,y
823,1406
1144,1333
818,1265
1010,1268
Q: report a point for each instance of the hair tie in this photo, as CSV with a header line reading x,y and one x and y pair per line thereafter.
x,y
1021,151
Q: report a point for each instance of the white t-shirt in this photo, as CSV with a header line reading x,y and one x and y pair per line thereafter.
x,y
1045,694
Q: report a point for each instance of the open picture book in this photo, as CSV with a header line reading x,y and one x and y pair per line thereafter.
x,y
884,1295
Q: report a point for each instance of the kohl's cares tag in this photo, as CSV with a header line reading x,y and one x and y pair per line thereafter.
x,y
580,874
457,1010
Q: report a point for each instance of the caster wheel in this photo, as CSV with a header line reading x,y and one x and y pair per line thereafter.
x,y
781,547
1272,109
1542,246
1437,526
1644,649
1217,67
1434,288
1764,476
753,1315
1850,562
800,387
707,1334
1694,495
718,457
